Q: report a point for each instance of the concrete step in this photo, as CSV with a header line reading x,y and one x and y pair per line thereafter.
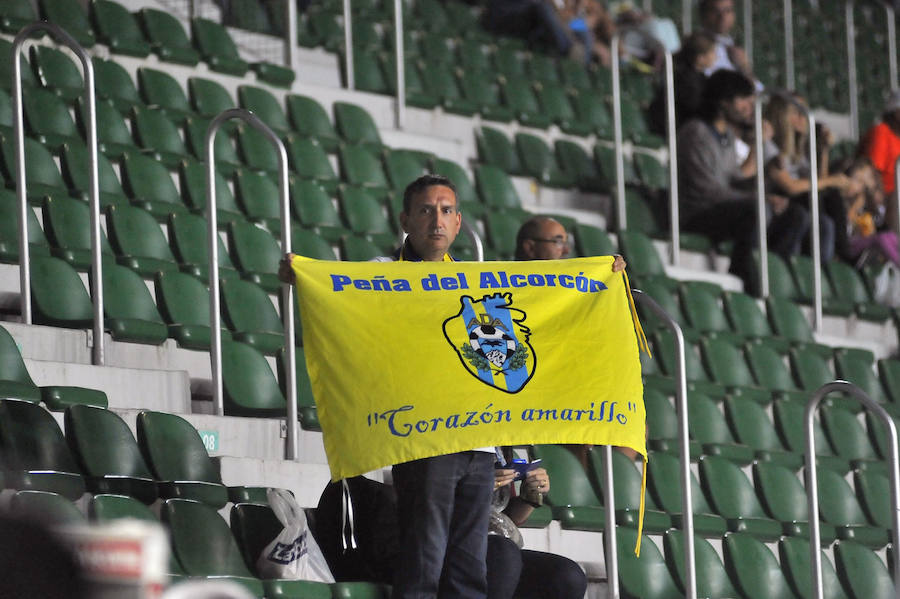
x,y
305,480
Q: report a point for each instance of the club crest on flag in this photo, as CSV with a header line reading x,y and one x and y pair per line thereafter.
x,y
491,341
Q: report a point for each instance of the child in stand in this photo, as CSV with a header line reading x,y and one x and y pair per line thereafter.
x,y
866,215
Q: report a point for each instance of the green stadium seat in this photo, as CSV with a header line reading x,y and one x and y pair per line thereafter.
x,y
250,315
627,492
48,509
225,154
6,116
635,128
309,119
789,322
728,367
664,485
874,494
543,68
662,420
539,162
15,382
747,318
439,85
700,304
501,233
41,172
108,453
556,104
753,427
754,568
178,459
839,506
28,78
850,288
113,135
708,427
861,572
204,545
15,14
848,437
403,167
306,405
183,302
193,191
509,62
131,314
644,577
58,296
326,30
803,270
481,89
368,72
139,241
794,557
782,494
48,119
75,170
495,149
651,171
360,167
859,371
365,215
167,37
810,369
9,230
313,207
68,227
161,90
263,104
592,241
786,415
151,187
574,74
769,368
309,160
573,500
118,29
208,97
158,137
889,373
35,455
591,108
359,249
781,282
114,83
256,254
189,238
250,388
217,48
259,198
732,496
712,578
643,259
575,159
356,125
256,150
309,244
70,15
57,72
495,188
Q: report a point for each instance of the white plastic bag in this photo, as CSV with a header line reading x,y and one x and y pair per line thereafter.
x,y
887,286
294,554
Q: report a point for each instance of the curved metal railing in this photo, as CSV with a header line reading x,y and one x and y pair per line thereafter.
x,y
287,290
60,35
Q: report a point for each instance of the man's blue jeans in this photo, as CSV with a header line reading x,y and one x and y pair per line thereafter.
x,y
443,504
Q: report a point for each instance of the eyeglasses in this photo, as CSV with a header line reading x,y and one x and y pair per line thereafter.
x,y
557,241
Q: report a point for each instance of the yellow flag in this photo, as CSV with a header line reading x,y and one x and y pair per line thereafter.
x,y
415,359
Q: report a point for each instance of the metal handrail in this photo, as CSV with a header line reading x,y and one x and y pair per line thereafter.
x,y
622,219
611,549
287,290
290,33
896,215
852,76
98,351
763,239
674,216
892,44
812,486
681,398
348,46
401,63
473,235
788,15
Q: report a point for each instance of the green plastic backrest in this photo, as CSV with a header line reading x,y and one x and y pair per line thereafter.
x,y
126,296
103,443
751,424
309,118
160,89
164,29
693,366
46,113
592,109
304,387
12,367
182,298
254,249
355,124
712,579
69,15
707,423
312,204
68,224
262,103
223,146
556,103
20,11
105,507
307,243
502,230
259,195
209,97
647,576
847,283
639,213
755,568
40,168
781,282
837,501
575,159
495,187
213,40
77,161
663,482
769,368
627,480
656,289
56,69
643,259
662,420
360,167
862,571
256,149
111,126
508,61
481,88
113,81
534,154
889,371
858,370
49,509
190,234
202,540
147,179
363,212
730,491
495,148
651,171
788,320
58,294
134,232
847,435
309,160
248,380
9,224
569,482
403,168
745,315
156,132
31,439
811,369
248,308
787,414
113,19
702,308
360,249
781,492
726,363
593,241
173,449
793,554
874,492
194,189
368,72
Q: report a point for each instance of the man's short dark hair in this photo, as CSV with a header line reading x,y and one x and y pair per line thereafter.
x,y
423,183
705,5
530,229
724,86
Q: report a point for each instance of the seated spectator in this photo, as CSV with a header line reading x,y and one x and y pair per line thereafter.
x,y
788,166
866,217
522,573
689,75
717,18
717,190
881,145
